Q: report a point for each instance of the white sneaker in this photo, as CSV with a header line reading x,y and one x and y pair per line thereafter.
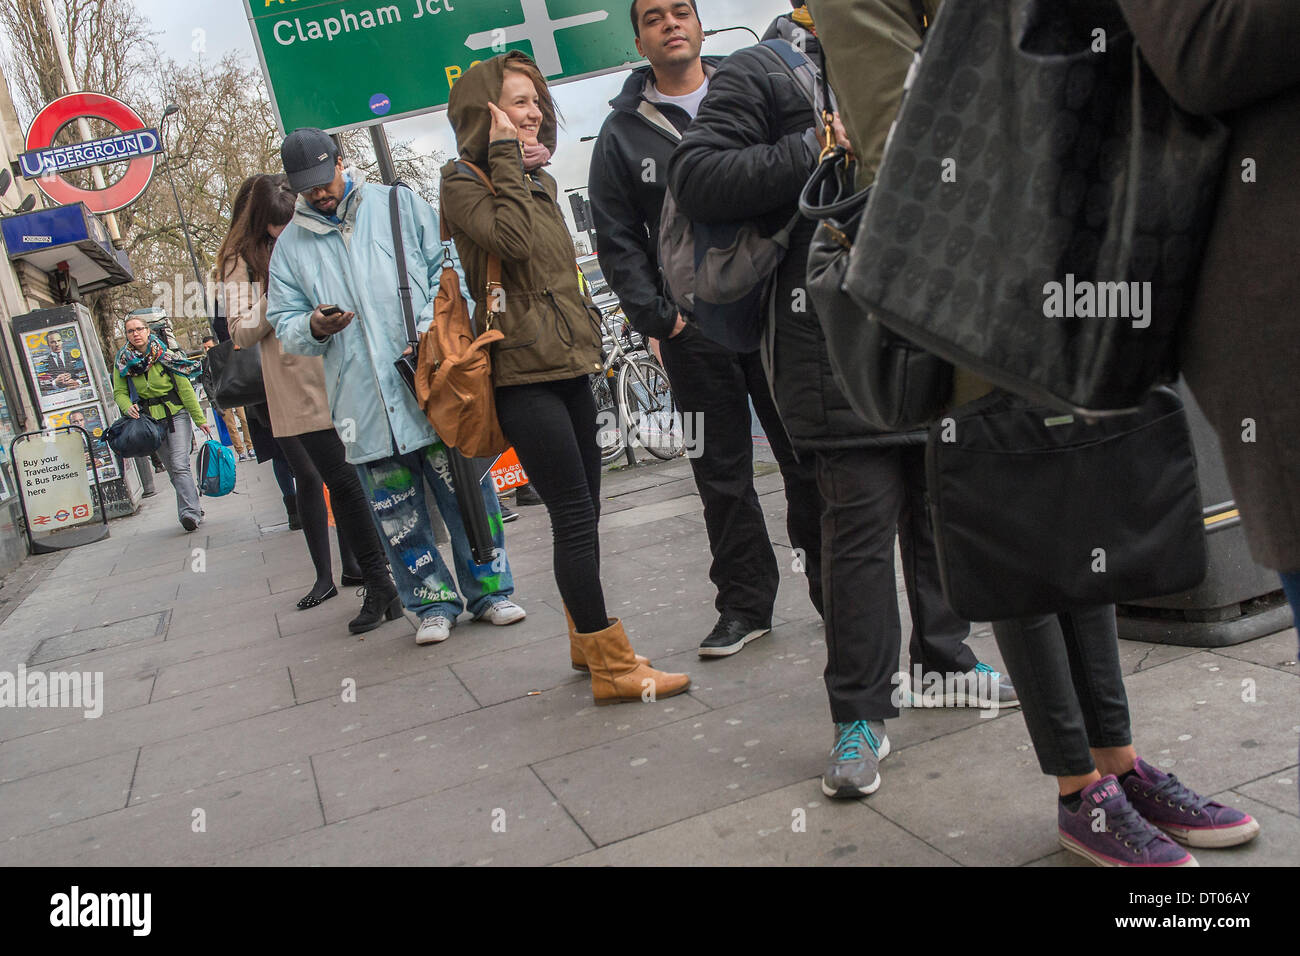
x,y
434,630
502,613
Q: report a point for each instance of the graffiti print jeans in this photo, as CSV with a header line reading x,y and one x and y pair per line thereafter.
x,y
396,489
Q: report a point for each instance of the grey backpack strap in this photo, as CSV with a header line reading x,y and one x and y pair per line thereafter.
x,y
802,71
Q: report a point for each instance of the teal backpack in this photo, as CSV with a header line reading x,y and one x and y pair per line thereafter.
x,y
216,469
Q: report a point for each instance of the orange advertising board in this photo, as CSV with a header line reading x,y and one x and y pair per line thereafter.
x,y
507,473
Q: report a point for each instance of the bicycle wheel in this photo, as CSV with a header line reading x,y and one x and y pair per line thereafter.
x,y
609,436
649,411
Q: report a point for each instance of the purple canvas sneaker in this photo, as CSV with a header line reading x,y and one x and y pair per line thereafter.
x,y
1109,832
1183,814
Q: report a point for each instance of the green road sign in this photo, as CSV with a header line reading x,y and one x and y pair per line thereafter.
x,y
337,65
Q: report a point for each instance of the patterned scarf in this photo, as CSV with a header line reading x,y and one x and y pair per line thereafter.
x,y
130,363
802,17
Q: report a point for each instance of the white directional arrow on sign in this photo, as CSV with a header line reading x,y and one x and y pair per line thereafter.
x,y
539,29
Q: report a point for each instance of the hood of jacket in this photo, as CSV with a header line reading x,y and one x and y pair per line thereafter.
x,y
640,80
312,219
784,27
468,113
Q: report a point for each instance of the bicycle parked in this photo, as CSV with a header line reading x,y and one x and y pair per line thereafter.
x,y
634,401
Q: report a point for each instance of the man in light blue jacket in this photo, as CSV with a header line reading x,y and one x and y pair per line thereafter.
x,y
333,293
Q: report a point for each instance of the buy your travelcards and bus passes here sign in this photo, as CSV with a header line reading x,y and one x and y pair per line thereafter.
x,y
337,65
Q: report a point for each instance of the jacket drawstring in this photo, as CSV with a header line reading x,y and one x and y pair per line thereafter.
x,y
560,317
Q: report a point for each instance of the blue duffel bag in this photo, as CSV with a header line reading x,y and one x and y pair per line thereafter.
x,y
215,469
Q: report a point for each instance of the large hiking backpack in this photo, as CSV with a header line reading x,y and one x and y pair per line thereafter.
x,y
721,274
215,469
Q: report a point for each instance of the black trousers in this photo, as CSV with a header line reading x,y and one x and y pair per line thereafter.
x,y
870,495
552,426
1066,671
717,385
318,457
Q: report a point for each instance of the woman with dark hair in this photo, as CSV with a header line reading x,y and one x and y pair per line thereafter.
x,y
300,414
505,124
265,447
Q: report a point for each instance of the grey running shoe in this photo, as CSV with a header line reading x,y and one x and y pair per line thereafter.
x,y
981,687
853,772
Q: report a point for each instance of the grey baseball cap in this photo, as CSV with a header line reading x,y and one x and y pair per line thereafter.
x,y
309,157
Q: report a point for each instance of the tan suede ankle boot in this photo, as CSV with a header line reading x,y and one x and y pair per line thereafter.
x,y
576,658
616,674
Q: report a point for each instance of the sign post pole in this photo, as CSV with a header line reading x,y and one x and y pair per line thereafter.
x,y
384,155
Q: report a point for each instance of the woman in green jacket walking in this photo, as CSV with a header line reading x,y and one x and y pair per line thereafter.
x,y
163,390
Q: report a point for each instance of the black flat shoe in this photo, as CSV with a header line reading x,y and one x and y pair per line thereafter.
x,y
312,599
350,581
526,495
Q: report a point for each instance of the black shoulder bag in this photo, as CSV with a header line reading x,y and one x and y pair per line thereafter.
x,y
1036,512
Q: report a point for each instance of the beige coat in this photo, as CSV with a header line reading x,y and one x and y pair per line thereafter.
x,y
295,384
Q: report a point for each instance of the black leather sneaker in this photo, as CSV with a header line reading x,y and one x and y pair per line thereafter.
x,y
729,635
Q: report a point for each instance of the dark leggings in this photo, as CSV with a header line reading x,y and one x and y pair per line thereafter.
x,y
552,426
283,473
1067,674
319,458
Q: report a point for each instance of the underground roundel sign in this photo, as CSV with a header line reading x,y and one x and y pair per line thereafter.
x,y
136,144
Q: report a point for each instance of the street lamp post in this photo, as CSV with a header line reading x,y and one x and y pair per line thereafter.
x,y
185,228
710,33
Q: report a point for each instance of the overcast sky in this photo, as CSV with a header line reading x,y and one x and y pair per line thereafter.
x,y
224,26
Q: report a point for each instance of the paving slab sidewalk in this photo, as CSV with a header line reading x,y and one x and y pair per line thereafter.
x,y
236,729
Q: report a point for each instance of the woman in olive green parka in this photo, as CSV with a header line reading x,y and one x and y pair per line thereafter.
x,y
505,124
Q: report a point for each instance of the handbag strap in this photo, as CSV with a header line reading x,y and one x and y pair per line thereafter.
x,y
494,262
399,252
834,162
918,8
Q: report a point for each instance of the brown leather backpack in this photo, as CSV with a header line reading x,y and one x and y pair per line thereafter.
x,y
453,368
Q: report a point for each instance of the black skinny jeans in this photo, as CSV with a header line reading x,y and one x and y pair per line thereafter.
x,y
1066,670
319,457
552,426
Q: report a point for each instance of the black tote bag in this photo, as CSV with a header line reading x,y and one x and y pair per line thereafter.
x,y
1026,155
236,375
1036,512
